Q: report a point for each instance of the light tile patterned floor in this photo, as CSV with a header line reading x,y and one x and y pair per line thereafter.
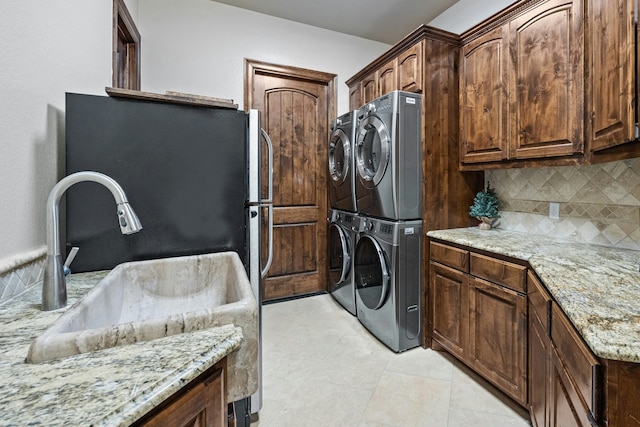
x,y
322,368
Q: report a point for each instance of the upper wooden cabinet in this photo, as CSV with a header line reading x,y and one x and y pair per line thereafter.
x,y
484,98
546,83
402,69
410,68
612,74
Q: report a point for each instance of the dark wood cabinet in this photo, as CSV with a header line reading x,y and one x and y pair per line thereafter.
x,y
369,87
481,320
202,403
539,351
402,69
497,336
449,305
388,78
550,83
410,68
612,73
484,98
547,81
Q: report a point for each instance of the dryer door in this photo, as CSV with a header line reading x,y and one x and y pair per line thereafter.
x,y
371,273
339,256
339,156
373,150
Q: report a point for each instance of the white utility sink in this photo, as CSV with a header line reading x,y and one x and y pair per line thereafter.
x,y
145,300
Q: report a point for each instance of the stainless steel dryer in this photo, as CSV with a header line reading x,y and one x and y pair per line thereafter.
x,y
388,281
388,157
343,230
342,162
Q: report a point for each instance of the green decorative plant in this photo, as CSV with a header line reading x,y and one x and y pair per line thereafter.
x,y
485,207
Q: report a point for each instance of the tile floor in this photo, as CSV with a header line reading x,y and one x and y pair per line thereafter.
x,y
322,368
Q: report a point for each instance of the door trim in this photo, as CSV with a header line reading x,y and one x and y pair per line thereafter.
x,y
253,67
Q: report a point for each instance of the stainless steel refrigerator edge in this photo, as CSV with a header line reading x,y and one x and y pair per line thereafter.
x,y
257,204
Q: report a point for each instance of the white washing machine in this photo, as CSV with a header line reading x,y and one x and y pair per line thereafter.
x,y
389,157
342,162
343,230
388,281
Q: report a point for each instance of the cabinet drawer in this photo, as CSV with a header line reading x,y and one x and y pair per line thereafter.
x,y
501,272
450,256
581,364
539,300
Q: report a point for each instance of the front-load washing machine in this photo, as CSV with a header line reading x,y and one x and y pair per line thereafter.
x,y
389,157
342,162
343,230
388,281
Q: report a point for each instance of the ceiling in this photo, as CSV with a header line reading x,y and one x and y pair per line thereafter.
x,y
386,21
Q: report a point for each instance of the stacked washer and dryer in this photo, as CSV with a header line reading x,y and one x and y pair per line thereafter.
x,y
385,221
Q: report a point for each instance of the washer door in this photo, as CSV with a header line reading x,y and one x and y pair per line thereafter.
x,y
339,258
371,273
339,156
373,149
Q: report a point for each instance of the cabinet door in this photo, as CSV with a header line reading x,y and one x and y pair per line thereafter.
x,y
539,345
370,87
611,40
484,99
563,409
547,81
498,336
410,69
355,96
388,78
449,308
202,404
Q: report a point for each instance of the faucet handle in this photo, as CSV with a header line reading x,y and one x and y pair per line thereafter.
x,y
69,260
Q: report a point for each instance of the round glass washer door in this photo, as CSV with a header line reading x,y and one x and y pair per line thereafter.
x,y
339,259
339,156
373,149
371,273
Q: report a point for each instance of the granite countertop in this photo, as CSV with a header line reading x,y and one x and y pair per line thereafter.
x,y
598,287
112,387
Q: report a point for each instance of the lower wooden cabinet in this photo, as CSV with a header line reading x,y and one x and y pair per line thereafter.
x,y
482,323
202,403
498,336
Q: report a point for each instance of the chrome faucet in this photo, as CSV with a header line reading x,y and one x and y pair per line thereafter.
x,y
54,287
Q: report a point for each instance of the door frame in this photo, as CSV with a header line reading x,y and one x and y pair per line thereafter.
x,y
253,67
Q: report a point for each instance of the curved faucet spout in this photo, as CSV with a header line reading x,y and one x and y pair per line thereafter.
x,y
54,289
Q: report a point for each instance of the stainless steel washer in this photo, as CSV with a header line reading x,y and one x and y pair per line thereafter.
x,y
343,230
388,281
342,162
388,157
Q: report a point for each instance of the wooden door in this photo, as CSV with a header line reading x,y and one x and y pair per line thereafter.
x,y
547,81
296,107
611,52
388,77
498,336
484,98
539,345
449,308
410,68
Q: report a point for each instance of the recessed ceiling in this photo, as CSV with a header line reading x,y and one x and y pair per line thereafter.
x,y
386,21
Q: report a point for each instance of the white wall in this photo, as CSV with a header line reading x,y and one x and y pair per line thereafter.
x,y
199,46
47,48
466,13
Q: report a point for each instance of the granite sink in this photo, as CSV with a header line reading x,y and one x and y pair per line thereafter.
x,y
145,300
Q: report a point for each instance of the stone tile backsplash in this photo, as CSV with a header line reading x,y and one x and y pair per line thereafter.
x,y
599,204
21,272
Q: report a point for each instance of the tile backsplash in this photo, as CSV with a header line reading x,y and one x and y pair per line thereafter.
x,y
599,204
19,273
